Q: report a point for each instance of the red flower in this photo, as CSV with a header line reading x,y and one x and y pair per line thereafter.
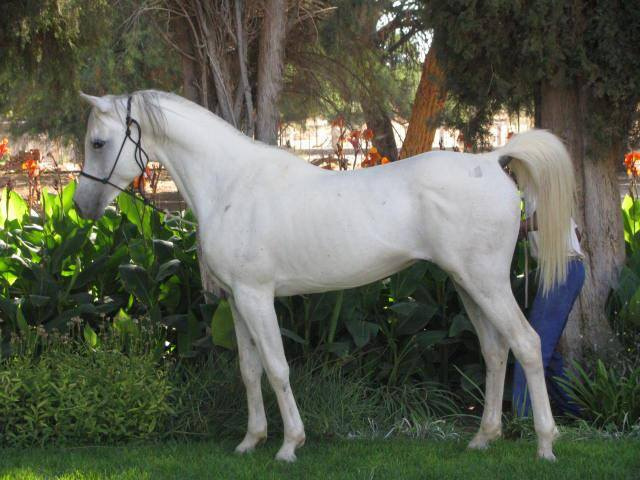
x,y
4,147
338,122
32,167
632,162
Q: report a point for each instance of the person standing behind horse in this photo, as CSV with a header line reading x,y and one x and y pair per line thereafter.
x,y
548,317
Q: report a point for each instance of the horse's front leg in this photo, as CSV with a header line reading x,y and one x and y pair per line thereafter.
x,y
256,308
251,371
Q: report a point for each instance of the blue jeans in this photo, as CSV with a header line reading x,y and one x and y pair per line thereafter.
x,y
548,317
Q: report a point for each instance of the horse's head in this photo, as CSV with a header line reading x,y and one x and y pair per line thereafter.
x,y
111,159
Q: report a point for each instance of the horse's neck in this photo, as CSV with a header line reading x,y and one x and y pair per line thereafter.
x,y
203,155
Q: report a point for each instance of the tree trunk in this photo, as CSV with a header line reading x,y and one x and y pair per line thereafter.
x,y
190,67
564,111
379,121
270,67
427,105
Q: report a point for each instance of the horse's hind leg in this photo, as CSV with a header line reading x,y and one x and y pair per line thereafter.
x,y
251,371
492,293
495,351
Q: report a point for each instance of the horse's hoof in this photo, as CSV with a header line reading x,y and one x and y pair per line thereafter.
x,y
483,438
547,455
286,455
478,442
249,443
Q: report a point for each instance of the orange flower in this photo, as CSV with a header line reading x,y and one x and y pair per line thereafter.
x,y
338,122
384,160
32,167
632,163
4,147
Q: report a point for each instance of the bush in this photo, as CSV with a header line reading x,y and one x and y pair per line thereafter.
x,y
210,401
82,397
606,397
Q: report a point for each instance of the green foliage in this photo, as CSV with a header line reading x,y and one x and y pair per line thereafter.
x,y
82,397
624,302
410,327
332,401
54,48
497,54
605,396
58,267
352,62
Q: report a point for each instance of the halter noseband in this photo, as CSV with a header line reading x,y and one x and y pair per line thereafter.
x,y
137,153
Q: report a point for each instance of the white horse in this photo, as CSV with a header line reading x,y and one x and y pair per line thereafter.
x,y
273,225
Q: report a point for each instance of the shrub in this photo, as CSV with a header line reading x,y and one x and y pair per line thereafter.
x,y
210,401
81,397
606,397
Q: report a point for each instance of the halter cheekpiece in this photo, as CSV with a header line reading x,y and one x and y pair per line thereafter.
x,y
138,154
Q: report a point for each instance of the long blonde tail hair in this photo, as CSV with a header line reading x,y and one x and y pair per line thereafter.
x,y
544,171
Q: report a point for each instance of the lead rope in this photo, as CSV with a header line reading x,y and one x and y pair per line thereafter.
x,y
526,261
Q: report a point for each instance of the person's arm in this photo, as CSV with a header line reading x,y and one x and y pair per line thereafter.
x,y
531,224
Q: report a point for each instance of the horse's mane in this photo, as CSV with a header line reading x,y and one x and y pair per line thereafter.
x,y
147,103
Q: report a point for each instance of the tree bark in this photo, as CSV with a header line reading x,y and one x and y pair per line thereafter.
x,y
564,111
427,105
190,67
270,68
379,121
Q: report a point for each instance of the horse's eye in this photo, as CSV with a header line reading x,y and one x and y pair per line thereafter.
x,y
97,144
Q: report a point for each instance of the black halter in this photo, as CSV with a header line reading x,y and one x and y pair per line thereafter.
x,y
138,154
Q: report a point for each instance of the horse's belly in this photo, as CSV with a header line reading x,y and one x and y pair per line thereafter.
x,y
340,273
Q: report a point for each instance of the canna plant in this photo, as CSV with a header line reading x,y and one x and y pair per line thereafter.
x,y
56,267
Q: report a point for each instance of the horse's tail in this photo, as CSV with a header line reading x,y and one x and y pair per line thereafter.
x,y
544,172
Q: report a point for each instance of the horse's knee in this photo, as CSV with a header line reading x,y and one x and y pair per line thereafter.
x,y
279,376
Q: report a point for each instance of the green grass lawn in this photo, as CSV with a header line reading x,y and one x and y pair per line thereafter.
x,y
343,459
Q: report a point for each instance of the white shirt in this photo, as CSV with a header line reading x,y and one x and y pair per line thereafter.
x,y
573,244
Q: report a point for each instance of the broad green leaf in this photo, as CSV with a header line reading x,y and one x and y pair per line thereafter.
x,y
167,269
406,309
67,196
404,283
430,338
12,207
137,281
460,324
124,324
361,331
222,333
90,336
38,300
415,316
23,326
632,312
137,213
292,335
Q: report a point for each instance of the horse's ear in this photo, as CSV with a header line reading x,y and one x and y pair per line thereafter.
x,y
101,103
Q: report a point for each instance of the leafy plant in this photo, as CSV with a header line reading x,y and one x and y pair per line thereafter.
x,y
55,267
82,397
605,396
